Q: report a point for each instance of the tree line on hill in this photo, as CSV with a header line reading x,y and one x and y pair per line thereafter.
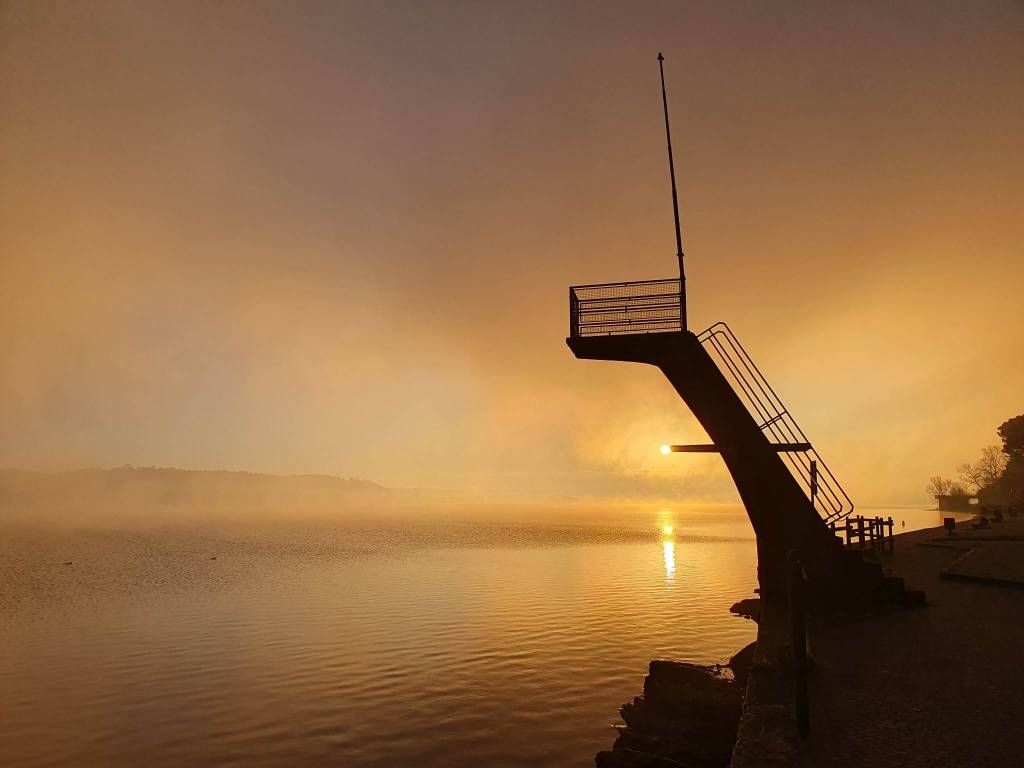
x,y
997,477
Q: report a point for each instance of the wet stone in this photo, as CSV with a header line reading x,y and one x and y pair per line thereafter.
x,y
687,716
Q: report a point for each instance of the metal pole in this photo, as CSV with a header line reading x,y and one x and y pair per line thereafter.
x,y
814,480
798,626
675,199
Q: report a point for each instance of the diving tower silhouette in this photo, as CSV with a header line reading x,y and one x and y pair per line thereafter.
x,y
791,497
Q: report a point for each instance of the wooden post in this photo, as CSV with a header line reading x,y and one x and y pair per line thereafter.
x,y
798,626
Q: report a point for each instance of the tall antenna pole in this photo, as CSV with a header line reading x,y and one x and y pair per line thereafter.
x,y
675,199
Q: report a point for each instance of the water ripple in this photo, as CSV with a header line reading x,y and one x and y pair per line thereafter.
x,y
459,645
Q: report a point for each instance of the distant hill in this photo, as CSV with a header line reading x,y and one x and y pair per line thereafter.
x,y
147,487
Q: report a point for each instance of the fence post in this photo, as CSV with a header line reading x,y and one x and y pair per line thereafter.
x,y
799,640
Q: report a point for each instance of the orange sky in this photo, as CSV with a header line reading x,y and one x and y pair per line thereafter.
x,y
327,237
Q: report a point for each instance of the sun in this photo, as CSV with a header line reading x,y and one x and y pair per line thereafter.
x,y
666,450
667,530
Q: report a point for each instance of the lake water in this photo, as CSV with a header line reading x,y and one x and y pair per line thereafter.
x,y
498,642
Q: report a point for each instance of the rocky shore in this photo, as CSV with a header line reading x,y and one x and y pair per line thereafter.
x,y
687,715
713,716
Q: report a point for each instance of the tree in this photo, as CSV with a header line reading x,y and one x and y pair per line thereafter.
x,y
986,470
940,486
1012,433
956,488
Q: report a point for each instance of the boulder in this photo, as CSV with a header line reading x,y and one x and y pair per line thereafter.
x,y
748,608
687,716
740,664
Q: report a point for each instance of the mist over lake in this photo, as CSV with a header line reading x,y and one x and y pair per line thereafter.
x,y
157,622
444,385
406,642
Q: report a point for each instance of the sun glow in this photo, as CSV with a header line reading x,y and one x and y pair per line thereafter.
x,y
666,450
667,530
669,554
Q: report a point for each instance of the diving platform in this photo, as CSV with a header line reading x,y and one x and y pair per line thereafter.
x,y
793,499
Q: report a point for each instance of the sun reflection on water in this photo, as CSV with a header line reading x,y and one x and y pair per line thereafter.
x,y
666,526
669,551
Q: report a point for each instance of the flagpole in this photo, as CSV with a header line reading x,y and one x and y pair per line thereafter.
x,y
675,199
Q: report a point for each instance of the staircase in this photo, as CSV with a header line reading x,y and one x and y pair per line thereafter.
x,y
825,493
642,307
792,498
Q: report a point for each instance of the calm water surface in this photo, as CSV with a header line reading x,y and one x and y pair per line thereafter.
x,y
397,643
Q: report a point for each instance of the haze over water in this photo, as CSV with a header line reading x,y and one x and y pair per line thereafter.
x,y
336,237
466,640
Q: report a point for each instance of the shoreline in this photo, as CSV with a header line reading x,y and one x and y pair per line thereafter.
x,y
764,727
735,714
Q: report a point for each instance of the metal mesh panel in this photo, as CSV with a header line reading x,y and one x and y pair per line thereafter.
x,y
611,309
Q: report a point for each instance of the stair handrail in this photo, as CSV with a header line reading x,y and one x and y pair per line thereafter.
x,y
791,433
772,415
829,492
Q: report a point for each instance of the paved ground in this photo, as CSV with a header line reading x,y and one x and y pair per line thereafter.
x,y
937,686
999,562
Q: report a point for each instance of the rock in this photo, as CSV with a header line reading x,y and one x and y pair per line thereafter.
x,y
750,608
687,716
741,662
676,689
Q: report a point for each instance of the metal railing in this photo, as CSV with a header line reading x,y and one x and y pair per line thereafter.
x,y
824,490
614,309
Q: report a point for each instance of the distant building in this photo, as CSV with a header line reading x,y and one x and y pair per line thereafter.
x,y
958,503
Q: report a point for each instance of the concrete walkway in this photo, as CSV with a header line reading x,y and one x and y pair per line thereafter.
x,y
935,686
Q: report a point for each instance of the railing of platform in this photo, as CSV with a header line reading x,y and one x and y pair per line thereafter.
x,y
614,309
824,490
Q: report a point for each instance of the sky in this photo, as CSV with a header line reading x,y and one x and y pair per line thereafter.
x,y
337,237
